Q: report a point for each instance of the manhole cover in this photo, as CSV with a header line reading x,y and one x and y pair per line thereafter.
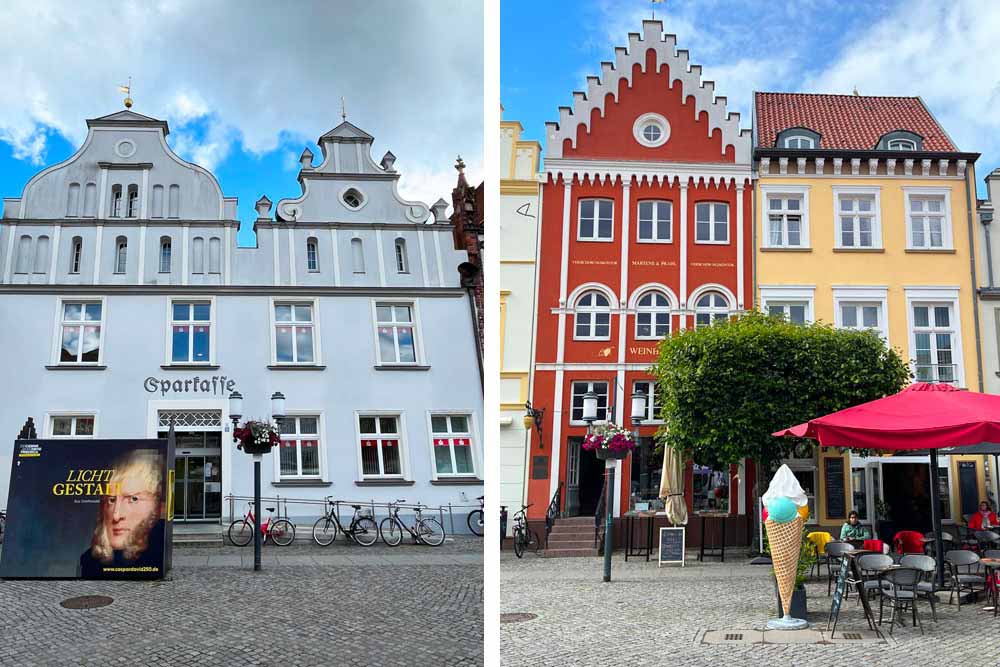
x,y
86,602
734,637
517,618
852,635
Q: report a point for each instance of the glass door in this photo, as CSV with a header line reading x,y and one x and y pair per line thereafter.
x,y
197,476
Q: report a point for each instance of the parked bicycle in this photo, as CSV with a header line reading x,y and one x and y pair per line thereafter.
x,y
424,531
524,537
476,518
362,529
281,531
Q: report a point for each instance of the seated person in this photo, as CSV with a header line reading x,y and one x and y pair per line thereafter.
x,y
853,530
984,519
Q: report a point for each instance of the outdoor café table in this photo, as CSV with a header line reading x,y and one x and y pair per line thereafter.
x,y
639,542
992,566
718,549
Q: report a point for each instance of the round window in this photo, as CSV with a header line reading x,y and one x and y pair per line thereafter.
x,y
651,130
125,148
353,198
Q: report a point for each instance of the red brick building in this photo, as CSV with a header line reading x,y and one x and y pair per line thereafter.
x,y
645,230
468,220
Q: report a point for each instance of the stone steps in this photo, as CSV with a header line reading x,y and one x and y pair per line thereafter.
x,y
573,536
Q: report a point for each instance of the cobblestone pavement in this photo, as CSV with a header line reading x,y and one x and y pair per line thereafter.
x,y
651,616
310,605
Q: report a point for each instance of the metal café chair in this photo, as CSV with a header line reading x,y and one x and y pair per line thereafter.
x,y
927,587
963,580
834,555
991,553
901,589
872,566
947,542
987,539
966,537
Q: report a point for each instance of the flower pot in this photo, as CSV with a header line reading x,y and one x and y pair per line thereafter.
x,y
608,454
253,448
798,606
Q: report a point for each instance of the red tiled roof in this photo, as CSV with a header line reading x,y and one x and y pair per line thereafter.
x,y
846,121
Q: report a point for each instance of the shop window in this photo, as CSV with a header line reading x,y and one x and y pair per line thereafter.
x,y
80,332
294,338
191,332
380,442
647,469
593,317
652,407
577,392
300,447
711,222
802,462
72,426
710,489
396,333
452,444
596,220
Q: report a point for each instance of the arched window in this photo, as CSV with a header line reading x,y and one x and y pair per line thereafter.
x,y
652,316
42,254
902,145
312,255
121,254
73,201
116,201
76,255
132,210
174,205
402,265
215,255
90,200
166,249
358,255
711,307
157,202
799,141
593,317
23,255
198,255
353,199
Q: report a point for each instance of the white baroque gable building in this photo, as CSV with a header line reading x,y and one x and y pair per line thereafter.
x,y
135,309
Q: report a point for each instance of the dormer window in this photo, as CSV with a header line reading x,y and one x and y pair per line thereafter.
x,y
902,145
799,141
798,138
900,140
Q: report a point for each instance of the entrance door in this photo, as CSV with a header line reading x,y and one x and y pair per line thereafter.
x,y
572,477
197,476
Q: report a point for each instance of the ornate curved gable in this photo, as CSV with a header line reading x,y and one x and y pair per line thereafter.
x,y
348,186
650,81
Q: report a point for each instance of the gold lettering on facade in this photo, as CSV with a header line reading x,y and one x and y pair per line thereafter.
x,y
652,262
717,264
594,262
642,350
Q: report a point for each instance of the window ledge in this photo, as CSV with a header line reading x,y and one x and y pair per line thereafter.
x,y
456,481
788,249
384,482
78,367
932,251
189,367
295,367
301,482
401,367
859,249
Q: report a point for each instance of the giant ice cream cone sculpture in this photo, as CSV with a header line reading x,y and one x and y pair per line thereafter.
x,y
786,504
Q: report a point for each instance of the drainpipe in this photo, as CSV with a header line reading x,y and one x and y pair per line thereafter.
x,y
985,218
972,268
469,272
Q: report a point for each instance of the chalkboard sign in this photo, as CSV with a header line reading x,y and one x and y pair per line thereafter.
x,y
836,505
671,546
838,592
539,467
850,575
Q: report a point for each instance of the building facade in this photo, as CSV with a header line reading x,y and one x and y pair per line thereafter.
x,y
138,311
646,229
519,230
865,220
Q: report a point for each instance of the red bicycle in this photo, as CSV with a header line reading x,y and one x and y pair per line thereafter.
x,y
281,531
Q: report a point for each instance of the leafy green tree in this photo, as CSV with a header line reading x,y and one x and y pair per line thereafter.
x,y
725,388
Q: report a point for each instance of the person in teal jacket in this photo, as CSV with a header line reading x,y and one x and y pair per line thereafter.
x,y
853,530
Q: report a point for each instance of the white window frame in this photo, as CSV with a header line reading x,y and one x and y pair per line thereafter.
x,y
589,384
786,309
273,333
473,445
849,191
170,255
656,204
75,255
400,254
947,236
593,310
404,458
643,121
650,400
785,192
312,247
121,253
800,138
711,223
712,311
653,311
418,339
57,338
212,331
320,436
50,418
911,145
596,238
939,295
857,294
783,294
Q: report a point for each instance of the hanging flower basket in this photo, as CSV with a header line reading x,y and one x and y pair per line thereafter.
x,y
609,442
257,437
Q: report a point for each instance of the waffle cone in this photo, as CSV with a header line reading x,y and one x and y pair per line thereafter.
x,y
786,542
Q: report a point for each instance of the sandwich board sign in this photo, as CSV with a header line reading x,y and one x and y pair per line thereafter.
x,y
671,546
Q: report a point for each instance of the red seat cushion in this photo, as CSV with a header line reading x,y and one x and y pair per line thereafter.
x,y
908,542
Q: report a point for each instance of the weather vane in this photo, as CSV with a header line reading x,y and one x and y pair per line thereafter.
x,y
652,7
128,93
343,109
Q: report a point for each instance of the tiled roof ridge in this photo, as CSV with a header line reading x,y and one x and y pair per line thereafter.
x,y
851,95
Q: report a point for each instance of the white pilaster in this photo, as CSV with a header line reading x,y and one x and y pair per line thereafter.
x,y
557,400
142,243
437,257
144,197
97,254
683,296
228,278
739,246
275,239
381,258
185,233
56,233
336,258
102,203
291,257
557,413
423,258
10,253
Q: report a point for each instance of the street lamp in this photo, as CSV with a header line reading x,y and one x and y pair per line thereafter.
x,y
533,418
235,412
590,407
638,408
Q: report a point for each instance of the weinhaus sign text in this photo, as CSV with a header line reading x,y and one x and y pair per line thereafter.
x,y
219,385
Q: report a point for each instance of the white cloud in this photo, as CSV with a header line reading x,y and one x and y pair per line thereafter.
x,y
222,73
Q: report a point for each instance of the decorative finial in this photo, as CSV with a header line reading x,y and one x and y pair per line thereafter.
x,y
128,93
652,7
856,93
460,165
343,109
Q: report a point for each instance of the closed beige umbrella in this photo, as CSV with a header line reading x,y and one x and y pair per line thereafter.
x,y
672,487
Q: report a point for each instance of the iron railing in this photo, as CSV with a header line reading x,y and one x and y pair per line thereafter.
x,y
552,513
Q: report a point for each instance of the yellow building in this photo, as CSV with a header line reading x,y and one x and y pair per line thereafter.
x,y
864,219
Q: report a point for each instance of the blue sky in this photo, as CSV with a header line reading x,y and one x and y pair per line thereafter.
x,y
245,90
943,52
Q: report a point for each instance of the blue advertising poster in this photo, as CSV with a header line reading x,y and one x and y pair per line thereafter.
x,y
89,509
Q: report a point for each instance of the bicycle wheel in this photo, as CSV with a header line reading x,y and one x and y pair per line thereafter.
x,y
518,542
431,532
325,531
365,531
392,532
475,521
241,532
282,532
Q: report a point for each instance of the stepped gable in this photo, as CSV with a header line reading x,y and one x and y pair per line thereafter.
x,y
853,122
651,49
